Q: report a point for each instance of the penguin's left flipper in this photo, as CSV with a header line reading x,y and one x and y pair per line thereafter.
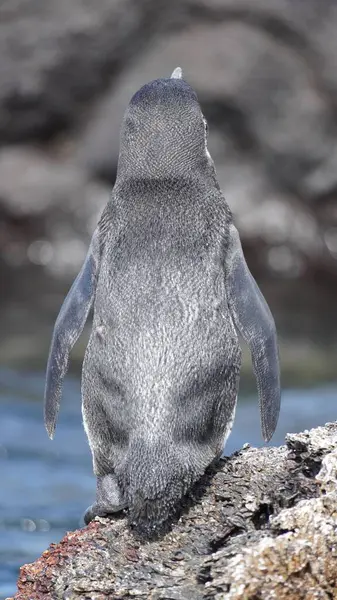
x,y
253,319
68,327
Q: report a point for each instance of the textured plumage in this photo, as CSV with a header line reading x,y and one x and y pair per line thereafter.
x,y
167,278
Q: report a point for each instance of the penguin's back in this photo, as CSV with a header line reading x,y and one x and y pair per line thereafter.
x,y
162,334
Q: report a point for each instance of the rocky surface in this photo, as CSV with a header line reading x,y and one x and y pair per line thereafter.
x,y
266,75
261,524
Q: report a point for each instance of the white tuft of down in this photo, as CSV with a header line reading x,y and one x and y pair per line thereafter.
x,y
177,73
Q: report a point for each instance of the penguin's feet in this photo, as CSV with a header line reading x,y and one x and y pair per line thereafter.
x,y
108,499
101,510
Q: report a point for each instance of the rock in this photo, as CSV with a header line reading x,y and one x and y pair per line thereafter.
x,y
272,129
265,72
56,57
55,205
300,562
241,73
261,524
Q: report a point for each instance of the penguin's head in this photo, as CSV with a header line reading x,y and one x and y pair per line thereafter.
x,y
164,132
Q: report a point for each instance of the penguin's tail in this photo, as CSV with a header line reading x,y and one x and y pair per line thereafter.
x,y
153,480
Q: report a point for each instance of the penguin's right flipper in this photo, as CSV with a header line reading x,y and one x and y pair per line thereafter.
x,y
68,327
255,322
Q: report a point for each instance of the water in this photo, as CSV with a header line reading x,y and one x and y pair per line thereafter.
x,y
46,486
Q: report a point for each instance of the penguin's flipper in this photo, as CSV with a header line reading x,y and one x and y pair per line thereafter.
x,y
68,327
253,319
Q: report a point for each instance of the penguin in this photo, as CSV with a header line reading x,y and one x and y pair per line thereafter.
x,y
170,290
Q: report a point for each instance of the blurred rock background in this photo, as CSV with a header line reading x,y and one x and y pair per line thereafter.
x,y
266,75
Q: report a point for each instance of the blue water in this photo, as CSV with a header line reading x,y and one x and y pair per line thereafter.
x,y
46,486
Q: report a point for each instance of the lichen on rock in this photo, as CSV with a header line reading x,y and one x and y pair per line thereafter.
x,y
261,524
